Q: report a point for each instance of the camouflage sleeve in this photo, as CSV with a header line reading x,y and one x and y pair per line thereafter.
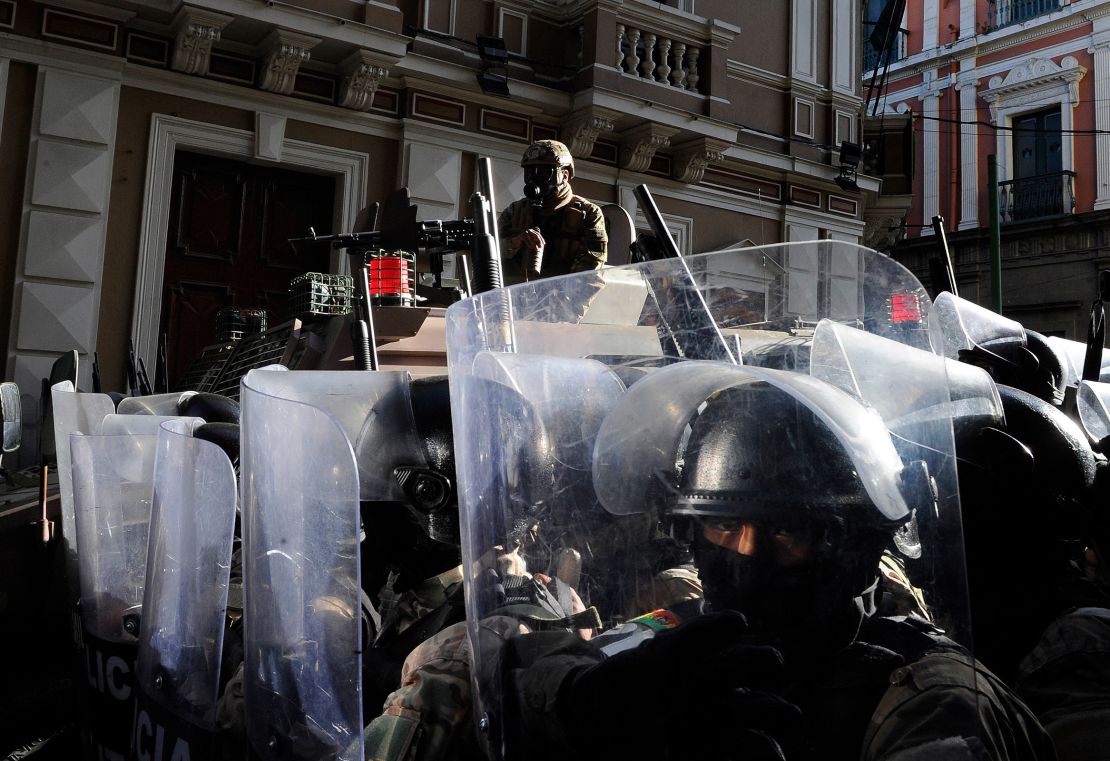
x,y
512,222
429,714
1066,681
594,248
670,587
940,699
429,717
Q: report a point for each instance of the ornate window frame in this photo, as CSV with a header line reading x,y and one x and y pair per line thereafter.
x,y
1033,86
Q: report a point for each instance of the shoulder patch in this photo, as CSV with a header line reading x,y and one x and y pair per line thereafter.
x,y
659,620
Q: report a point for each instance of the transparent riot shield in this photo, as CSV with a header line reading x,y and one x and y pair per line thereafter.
x,y
112,489
302,623
373,410
1093,404
180,644
703,418
81,413
154,404
959,325
924,400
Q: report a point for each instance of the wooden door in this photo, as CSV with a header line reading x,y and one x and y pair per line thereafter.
x,y
228,245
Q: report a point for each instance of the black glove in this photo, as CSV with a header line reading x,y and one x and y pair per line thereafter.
x,y
693,692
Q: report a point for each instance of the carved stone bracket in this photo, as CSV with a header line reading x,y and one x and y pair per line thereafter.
x,y
581,130
285,52
689,160
639,144
195,30
361,77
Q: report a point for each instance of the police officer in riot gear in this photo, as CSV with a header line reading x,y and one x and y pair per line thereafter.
x,y
790,485
1030,486
790,491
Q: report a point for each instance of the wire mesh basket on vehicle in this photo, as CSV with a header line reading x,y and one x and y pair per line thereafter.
x,y
319,294
232,323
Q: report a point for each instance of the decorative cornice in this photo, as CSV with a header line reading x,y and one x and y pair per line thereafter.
x,y
286,51
581,129
361,77
1099,40
721,33
639,144
688,162
1035,75
748,73
195,30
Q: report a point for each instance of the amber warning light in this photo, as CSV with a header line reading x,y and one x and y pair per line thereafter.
x,y
905,307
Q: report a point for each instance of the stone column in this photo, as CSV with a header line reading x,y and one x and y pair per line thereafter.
x,y
1100,48
968,22
930,180
966,83
931,26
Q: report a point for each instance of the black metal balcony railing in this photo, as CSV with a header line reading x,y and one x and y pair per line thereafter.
x,y
1006,12
871,56
1044,195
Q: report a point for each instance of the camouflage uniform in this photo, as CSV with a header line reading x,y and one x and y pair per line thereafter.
x,y
669,587
429,716
574,235
399,611
408,619
900,691
1066,680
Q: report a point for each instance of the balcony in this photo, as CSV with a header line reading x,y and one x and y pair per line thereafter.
x,y
655,57
1044,195
1006,12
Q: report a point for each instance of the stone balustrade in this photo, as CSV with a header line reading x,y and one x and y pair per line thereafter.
x,y
647,55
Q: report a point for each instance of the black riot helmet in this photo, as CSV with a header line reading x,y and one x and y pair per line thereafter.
x,y
1064,462
800,460
757,455
1038,463
754,450
1013,355
1027,491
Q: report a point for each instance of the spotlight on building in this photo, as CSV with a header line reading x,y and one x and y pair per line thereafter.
x,y
850,156
494,76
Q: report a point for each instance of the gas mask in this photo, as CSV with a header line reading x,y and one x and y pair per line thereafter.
x,y
541,183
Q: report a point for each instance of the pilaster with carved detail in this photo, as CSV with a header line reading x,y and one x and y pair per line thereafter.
x,y
967,83
1100,50
930,182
